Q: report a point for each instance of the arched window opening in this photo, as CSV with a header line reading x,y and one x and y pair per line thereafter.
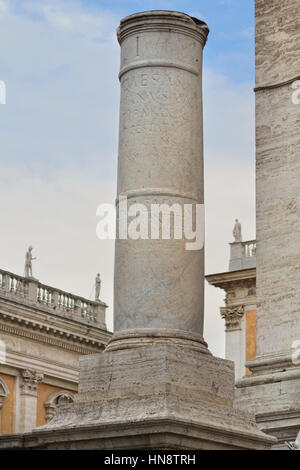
x,y
62,397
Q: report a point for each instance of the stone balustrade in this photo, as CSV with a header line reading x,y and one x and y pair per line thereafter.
x,y
31,292
242,255
249,248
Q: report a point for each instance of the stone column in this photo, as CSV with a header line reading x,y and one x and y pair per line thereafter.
x,y
28,400
273,391
156,386
235,337
158,283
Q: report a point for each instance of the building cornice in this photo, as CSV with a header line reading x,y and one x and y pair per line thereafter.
x,y
54,369
58,331
224,280
85,348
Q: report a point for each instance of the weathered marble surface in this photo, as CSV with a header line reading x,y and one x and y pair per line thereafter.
x,y
275,386
278,219
158,284
161,397
277,41
278,177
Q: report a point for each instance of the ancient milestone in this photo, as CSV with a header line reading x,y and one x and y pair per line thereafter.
x,y
156,386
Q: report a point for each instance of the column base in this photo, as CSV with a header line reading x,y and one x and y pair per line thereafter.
x,y
272,394
153,397
148,337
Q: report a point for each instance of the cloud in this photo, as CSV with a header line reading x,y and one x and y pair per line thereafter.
x,y
72,16
62,95
228,118
3,6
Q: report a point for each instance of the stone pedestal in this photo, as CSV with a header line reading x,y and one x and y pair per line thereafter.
x,y
273,392
32,288
242,255
159,397
237,254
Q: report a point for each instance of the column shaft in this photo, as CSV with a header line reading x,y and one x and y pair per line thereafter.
x,y
159,283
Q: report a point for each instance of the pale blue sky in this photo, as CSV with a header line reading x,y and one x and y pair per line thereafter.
x,y
34,71
59,135
231,23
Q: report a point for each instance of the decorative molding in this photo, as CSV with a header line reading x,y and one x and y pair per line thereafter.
x,y
157,63
50,334
240,289
30,380
163,21
232,317
276,362
223,280
271,86
52,369
268,378
163,192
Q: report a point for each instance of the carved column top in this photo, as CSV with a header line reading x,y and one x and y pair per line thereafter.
x,y
30,380
162,20
232,316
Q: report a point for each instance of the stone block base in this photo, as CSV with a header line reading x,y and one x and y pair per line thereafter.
x,y
153,397
274,399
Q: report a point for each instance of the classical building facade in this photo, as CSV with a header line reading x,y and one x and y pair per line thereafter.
x,y
239,312
242,331
43,331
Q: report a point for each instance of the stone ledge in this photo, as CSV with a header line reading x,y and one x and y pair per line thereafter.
x,y
155,434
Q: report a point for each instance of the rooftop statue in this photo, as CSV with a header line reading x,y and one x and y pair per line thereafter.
x,y
28,262
97,287
237,231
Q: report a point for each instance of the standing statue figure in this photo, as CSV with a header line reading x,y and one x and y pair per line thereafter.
x,y
28,262
97,287
237,231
